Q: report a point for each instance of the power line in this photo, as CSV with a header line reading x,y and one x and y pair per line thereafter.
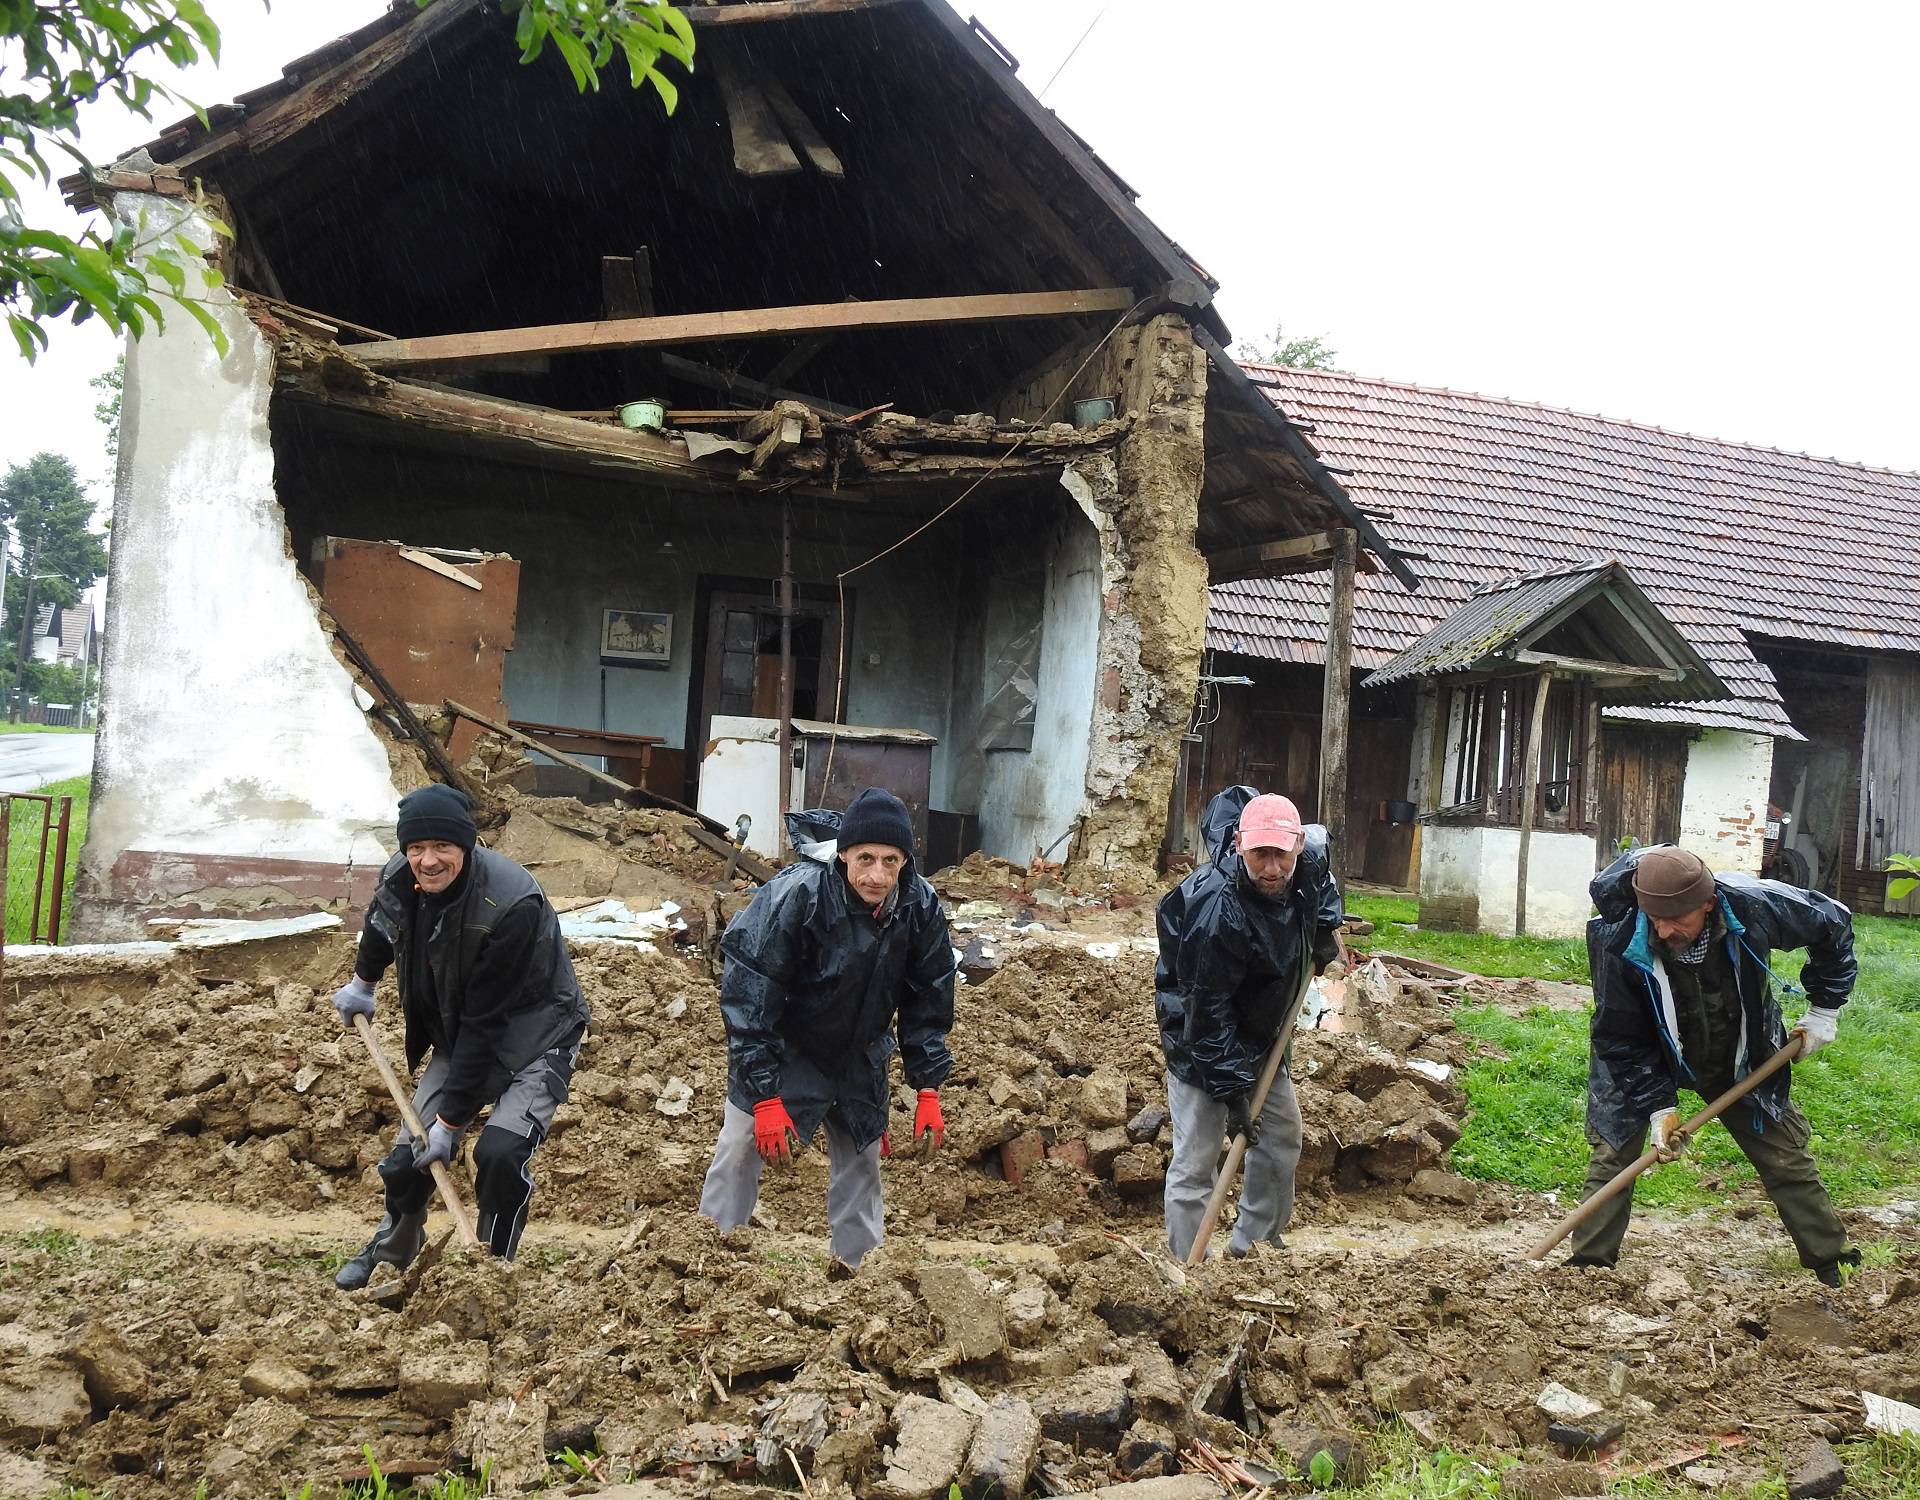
x,y
1076,47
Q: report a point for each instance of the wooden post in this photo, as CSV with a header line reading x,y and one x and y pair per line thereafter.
x,y
1336,704
1529,790
786,669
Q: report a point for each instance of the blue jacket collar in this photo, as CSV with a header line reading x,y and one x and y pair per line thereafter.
x,y
1639,952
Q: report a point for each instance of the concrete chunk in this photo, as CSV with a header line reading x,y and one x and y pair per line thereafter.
x,y
1169,1487
1088,1410
972,1319
39,1400
929,1444
1817,1471
268,1376
1003,1452
438,1385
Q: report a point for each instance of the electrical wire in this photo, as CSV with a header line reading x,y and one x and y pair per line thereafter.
x,y
1076,48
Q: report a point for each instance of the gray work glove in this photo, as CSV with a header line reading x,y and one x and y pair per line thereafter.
x,y
441,1142
354,998
1240,1120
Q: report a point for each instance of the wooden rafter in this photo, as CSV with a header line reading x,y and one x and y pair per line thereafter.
x,y
472,349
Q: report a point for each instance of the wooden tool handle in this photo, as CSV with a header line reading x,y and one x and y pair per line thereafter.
x,y
1796,1048
442,1178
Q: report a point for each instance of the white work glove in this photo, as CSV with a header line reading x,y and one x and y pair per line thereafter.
x,y
354,998
1821,1025
1664,1134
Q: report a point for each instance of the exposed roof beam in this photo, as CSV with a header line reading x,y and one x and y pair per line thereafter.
x,y
1308,553
775,10
740,323
1580,666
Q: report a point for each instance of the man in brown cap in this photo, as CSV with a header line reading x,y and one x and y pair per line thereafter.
x,y
1683,996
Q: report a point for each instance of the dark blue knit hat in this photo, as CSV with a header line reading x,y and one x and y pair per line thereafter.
x,y
436,812
876,817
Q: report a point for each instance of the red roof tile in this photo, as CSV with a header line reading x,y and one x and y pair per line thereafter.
x,y
1729,540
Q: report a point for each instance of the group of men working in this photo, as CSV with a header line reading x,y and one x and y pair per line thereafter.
x,y
843,958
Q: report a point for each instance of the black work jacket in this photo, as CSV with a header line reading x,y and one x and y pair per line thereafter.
x,y
526,1008
816,989
1231,960
1637,1065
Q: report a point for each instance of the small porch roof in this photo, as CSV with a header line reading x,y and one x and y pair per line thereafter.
x,y
1589,621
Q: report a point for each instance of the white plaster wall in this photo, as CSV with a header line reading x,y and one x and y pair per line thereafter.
x,y
227,727
1481,866
1029,798
1723,803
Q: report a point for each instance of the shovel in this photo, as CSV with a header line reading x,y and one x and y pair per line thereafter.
x,y
1236,1153
1795,1048
442,1178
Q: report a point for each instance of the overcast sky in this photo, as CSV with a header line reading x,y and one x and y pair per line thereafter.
x,y
1699,216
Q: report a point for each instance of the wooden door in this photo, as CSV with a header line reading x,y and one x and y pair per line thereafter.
x,y
1642,772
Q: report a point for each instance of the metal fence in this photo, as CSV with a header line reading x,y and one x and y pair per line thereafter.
x,y
49,877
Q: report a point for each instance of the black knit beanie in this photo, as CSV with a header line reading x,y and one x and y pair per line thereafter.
x,y
436,812
876,817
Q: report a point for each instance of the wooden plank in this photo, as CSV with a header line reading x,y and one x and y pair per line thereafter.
x,y
433,565
1581,666
1529,790
1336,705
728,384
1227,564
704,17
801,131
740,323
759,148
704,830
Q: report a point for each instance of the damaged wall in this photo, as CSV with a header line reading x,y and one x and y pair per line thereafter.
x,y
1144,505
233,769
1723,808
585,546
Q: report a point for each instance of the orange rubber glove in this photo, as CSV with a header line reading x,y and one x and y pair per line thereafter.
x,y
773,1133
927,1117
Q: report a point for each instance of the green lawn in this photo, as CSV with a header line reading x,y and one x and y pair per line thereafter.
x,y
7,728
1526,1125
23,857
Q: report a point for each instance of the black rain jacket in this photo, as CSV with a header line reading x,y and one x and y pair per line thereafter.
x,y
1230,959
1636,1067
491,1012
816,989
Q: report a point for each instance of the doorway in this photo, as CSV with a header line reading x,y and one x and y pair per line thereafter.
x,y
737,649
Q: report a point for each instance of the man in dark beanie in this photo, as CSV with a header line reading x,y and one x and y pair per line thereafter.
x,y
843,951
1683,997
485,982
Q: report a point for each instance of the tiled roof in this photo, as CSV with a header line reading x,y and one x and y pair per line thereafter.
x,y
1727,540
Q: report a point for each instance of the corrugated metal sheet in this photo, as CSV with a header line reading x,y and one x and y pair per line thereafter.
x,y
1726,539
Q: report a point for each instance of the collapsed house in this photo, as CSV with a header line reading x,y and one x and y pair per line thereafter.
x,y
1753,697
652,435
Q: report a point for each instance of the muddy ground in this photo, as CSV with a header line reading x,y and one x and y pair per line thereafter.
x,y
186,1150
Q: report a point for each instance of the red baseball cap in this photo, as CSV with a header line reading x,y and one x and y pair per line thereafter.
x,y
1270,822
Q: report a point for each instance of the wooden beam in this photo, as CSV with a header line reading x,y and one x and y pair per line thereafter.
x,y
1229,563
626,291
705,16
759,148
1580,666
1336,703
730,384
801,131
740,323
1529,791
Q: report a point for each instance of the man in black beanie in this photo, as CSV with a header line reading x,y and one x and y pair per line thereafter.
x,y
485,982
843,951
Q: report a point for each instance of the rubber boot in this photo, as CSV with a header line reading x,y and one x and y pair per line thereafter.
x,y
394,1243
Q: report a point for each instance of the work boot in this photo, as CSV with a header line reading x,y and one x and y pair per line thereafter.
x,y
1831,1275
394,1243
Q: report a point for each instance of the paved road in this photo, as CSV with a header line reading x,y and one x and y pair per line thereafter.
x,y
29,761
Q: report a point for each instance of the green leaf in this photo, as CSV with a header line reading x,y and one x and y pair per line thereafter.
x,y
579,61
1901,887
1322,1470
668,91
198,312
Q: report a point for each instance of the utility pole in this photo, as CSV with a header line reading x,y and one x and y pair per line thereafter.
x,y
26,625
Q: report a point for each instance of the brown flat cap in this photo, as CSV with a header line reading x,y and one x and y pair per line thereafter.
x,y
1672,882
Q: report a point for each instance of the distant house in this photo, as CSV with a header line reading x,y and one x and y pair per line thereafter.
x,y
64,634
1796,580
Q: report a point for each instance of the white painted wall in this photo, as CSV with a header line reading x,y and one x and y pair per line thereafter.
x,y
227,727
1473,872
1029,798
1723,803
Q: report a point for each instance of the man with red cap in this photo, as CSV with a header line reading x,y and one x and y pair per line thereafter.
x,y
839,956
1235,939
1683,997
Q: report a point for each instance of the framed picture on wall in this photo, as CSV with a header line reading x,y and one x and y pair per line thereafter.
x,y
636,638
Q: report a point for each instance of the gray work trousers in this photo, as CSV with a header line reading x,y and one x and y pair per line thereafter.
x,y
1266,1193
855,1214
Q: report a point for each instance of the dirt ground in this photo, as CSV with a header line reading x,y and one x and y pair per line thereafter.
x,y
186,1151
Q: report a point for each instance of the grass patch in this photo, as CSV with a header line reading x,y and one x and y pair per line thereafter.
x,y
23,858
1394,929
1527,1124
6,728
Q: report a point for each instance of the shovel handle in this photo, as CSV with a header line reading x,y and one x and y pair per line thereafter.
x,y
1622,1182
442,1178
